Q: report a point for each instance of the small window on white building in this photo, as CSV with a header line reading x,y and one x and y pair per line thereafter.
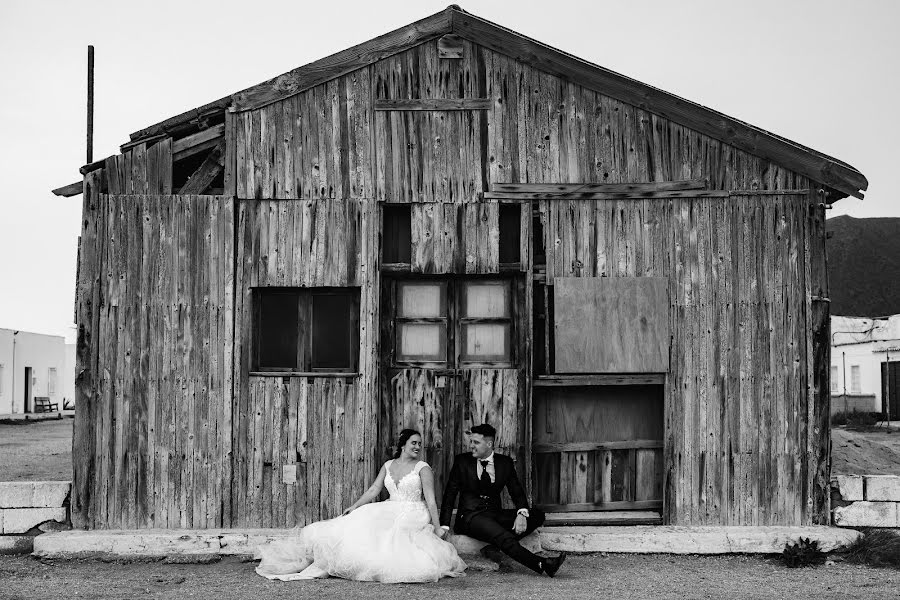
x,y
834,379
855,387
51,381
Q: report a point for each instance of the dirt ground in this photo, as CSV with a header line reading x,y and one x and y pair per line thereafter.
x,y
42,450
36,451
619,576
865,453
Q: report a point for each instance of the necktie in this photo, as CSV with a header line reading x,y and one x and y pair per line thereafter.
x,y
485,477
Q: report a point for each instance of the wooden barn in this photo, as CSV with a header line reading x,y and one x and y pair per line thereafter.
x,y
446,225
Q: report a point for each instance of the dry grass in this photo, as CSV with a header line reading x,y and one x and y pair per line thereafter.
x,y
876,548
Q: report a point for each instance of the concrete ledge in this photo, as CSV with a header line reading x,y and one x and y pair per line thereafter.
x,y
169,542
155,542
868,514
669,539
20,520
16,544
634,539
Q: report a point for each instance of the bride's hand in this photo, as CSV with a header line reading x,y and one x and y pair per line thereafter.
x,y
440,532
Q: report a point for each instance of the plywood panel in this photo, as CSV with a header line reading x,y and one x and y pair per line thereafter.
x,y
610,324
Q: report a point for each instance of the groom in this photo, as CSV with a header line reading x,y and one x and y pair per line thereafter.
x,y
479,478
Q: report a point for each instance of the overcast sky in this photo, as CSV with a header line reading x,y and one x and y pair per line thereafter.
x,y
822,73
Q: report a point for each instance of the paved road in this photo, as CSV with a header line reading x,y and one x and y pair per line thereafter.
x,y
618,577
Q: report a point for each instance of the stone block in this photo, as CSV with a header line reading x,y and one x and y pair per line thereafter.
x,y
16,544
850,487
868,514
20,520
50,494
16,494
883,488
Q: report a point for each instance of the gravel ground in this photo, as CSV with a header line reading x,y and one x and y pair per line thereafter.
x,y
619,576
36,451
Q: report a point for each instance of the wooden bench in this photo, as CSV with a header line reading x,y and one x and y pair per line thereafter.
x,y
43,404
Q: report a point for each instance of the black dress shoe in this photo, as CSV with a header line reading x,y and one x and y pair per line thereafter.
x,y
491,552
551,565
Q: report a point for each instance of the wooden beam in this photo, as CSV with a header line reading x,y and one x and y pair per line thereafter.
x,y
819,167
206,172
73,189
147,140
198,142
553,448
600,379
569,188
606,195
343,62
589,506
434,104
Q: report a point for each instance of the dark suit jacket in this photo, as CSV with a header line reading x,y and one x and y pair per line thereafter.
x,y
463,481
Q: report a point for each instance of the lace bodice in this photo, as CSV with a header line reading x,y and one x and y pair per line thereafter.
x,y
409,488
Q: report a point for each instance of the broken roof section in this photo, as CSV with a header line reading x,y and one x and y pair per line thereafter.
x,y
819,167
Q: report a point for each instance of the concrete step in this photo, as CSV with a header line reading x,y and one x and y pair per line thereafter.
x,y
169,542
602,518
670,539
628,539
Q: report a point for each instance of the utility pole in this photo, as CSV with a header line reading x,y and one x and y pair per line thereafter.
x,y
90,105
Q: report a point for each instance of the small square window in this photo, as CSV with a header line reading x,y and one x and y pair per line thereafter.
x,y
306,329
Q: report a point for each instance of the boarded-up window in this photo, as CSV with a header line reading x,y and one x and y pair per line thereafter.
x,y
306,329
611,325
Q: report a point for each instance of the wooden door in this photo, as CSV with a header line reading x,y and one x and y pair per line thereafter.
x,y
444,404
598,447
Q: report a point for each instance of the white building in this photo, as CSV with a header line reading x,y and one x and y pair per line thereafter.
x,y
32,365
865,364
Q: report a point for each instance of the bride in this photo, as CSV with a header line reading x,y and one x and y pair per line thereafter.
x,y
397,541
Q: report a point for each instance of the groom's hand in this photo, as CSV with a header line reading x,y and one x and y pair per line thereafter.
x,y
520,525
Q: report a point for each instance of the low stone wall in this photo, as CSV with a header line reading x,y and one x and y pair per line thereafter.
x,y
866,500
853,403
28,508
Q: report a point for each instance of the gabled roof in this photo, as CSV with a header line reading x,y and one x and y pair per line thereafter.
x,y
817,166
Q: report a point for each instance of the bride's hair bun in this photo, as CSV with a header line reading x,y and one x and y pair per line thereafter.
x,y
401,441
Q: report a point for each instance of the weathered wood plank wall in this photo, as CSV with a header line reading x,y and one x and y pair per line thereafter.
x,y
156,421
328,142
740,448
304,243
141,170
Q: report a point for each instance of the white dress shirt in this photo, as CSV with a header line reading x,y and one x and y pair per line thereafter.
x,y
492,474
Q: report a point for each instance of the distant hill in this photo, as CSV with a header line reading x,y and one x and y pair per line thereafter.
x,y
864,266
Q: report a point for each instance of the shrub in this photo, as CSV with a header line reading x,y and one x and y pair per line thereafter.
x,y
876,547
804,553
839,419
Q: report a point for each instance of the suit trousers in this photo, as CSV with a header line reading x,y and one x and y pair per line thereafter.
x,y
494,526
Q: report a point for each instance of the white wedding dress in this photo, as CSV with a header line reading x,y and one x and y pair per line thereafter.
x,y
390,542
